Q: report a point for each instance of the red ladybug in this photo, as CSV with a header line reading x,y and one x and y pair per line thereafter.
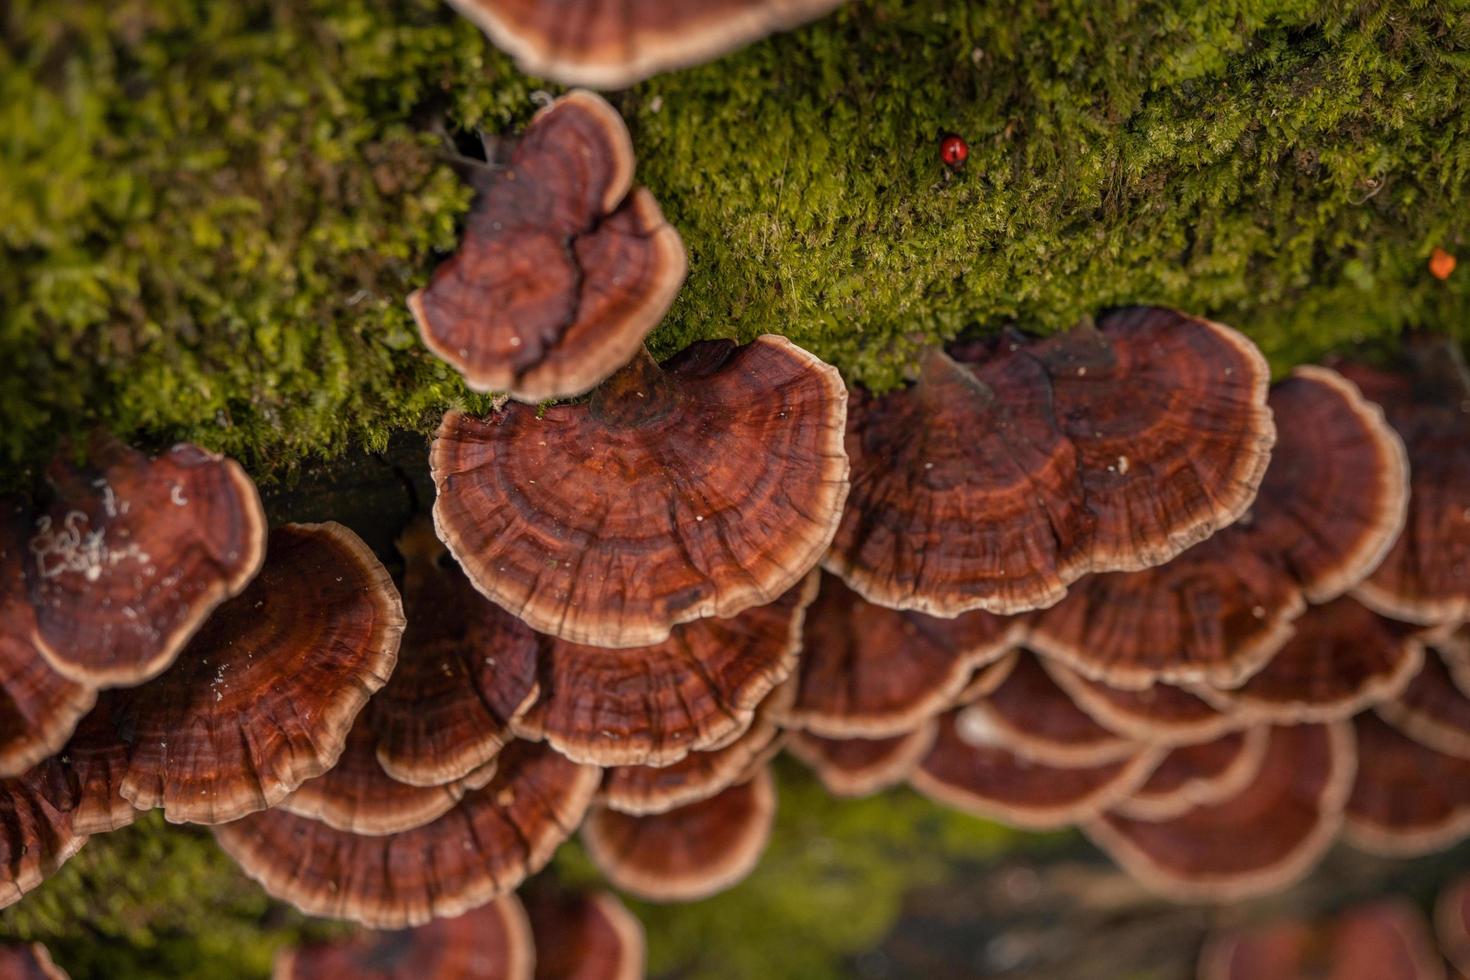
x,y
954,151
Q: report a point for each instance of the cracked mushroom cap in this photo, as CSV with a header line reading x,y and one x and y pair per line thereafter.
x,y
131,554
699,488
29,962
611,45
1198,775
1342,658
586,936
466,668
1160,714
265,694
995,483
852,767
695,691
1033,717
868,671
1425,578
1432,710
687,853
564,266
37,835
1386,940
965,769
1261,839
484,847
641,790
39,708
1407,799
1452,923
492,942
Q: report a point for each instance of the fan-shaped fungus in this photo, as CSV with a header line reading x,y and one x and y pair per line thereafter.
x,y
584,936
1407,798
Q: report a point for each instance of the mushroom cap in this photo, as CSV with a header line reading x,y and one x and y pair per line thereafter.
x,y
1452,923
36,834
1432,710
356,795
1342,658
962,770
130,555
641,790
701,488
1407,798
1425,577
466,668
1160,714
1033,717
687,853
1386,940
39,708
985,680
564,267
996,483
612,45
29,962
484,847
492,942
1198,775
1261,839
266,692
85,778
695,691
862,766
869,671
587,936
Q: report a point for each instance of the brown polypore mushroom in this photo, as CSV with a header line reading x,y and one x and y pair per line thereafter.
x,y
1160,714
863,766
1432,710
466,668
589,936
996,483
1452,923
1033,717
1342,658
966,771
130,555
868,671
1261,839
484,847
1407,798
698,488
564,267
688,853
1426,576
30,962
492,942
1198,775
1386,940
984,681
264,696
695,691
36,835
612,44
1330,505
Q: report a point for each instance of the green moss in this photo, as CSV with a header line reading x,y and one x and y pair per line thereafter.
x,y
210,214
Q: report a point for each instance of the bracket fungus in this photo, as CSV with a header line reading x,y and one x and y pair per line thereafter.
x,y
1387,940
564,266
997,482
129,555
1329,507
584,936
1160,714
1259,840
29,962
466,669
863,766
1452,923
37,835
266,692
1198,775
1407,799
492,942
484,847
687,853
868,671
700,487
694,691
966,770
612,44
1433,709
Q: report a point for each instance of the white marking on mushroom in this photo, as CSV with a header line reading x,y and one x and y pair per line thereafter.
x,y
176,495
74,547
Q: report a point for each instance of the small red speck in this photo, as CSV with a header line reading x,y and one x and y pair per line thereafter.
x,y
954,152
1441,263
